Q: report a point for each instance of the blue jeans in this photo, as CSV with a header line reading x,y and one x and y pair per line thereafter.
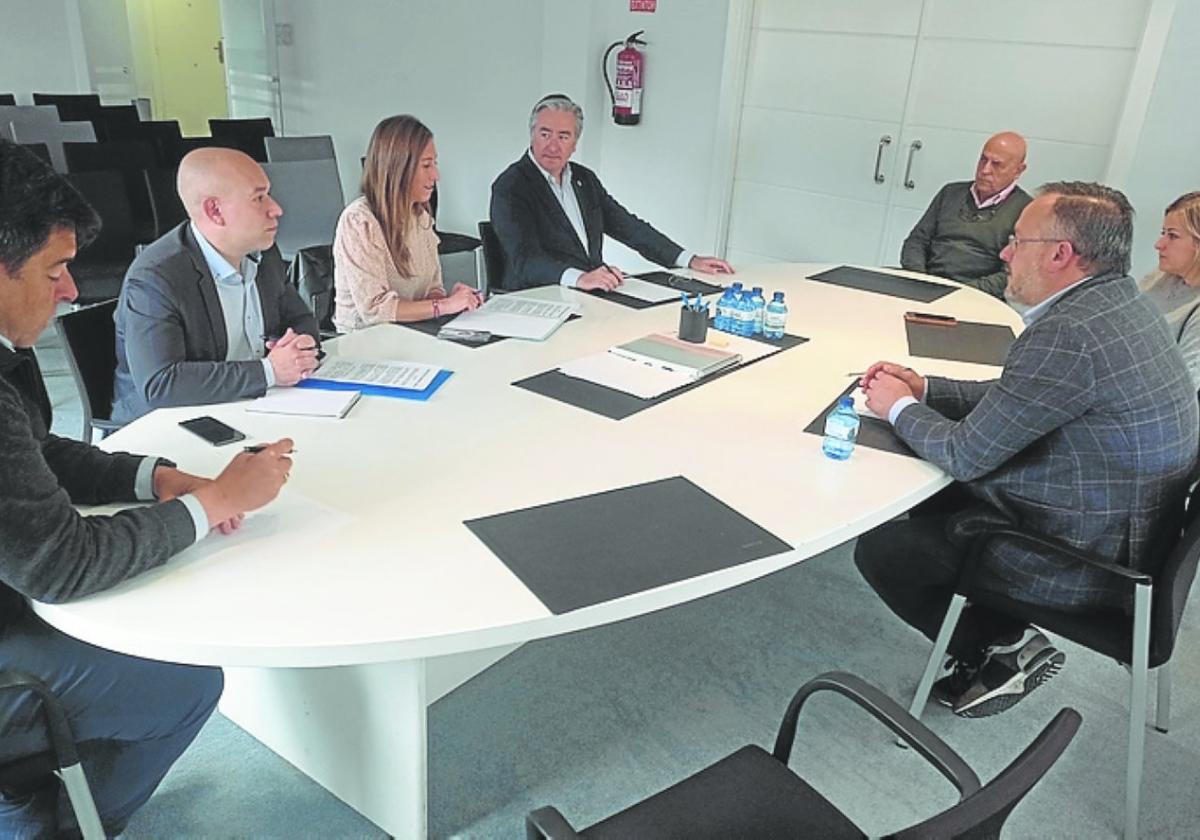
x,y
131,718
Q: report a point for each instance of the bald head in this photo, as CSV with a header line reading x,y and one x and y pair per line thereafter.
x,y
1000,164
227,197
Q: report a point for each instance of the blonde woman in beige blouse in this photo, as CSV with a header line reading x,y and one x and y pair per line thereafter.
x,y
1175,287
385,251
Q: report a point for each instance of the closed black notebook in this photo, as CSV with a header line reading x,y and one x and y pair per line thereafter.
x,y
881,283
965,341
591,549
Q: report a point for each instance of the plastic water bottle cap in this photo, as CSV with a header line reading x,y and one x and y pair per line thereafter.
x,y
846,401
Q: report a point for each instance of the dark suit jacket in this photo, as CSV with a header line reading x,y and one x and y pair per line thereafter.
x,y
171,340
1088,437
537,238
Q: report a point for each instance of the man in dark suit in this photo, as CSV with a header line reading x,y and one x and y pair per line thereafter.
x,y
1087,437
206,313
551,215
131,718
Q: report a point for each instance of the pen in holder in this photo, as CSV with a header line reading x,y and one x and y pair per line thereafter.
x,y
693,324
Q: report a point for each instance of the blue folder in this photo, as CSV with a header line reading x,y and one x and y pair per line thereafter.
x,y
379,390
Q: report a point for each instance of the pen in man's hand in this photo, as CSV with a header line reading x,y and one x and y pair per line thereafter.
x,y
259,447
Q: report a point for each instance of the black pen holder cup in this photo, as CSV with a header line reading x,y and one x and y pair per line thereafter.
x,y
693,325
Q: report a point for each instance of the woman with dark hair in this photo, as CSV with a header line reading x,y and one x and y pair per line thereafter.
x,y
385,250
1175,286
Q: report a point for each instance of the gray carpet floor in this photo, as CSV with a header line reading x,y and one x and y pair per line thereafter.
x,y
596,720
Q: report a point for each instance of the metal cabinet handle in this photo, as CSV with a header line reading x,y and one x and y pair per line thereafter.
x,y
909,183
883,141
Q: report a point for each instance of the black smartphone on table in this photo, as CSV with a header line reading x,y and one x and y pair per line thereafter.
x,y
212,430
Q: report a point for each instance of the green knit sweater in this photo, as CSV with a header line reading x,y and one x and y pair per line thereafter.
x,y
956,240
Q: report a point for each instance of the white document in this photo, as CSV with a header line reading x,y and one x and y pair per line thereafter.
x,y
622,374
516,317
635,287
308,402
411,376
749,349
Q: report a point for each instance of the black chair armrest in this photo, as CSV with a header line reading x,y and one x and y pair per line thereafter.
x,y
60,731
975,557
548,824
888,712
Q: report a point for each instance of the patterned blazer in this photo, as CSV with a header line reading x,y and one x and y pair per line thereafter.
x,y
1087,437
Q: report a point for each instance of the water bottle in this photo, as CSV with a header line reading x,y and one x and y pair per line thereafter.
x,y
743,315
760,309
775,317
724,307
841,430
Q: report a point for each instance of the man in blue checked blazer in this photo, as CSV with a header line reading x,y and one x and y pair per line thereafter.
x,y
1088,437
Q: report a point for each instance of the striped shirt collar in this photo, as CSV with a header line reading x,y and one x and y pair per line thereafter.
x,y
994,200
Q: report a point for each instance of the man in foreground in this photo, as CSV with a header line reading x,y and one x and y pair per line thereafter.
x,y
206,314
551,215
1087,437
130,717
968,222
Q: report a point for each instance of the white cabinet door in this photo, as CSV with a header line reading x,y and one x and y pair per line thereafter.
x,y
826,82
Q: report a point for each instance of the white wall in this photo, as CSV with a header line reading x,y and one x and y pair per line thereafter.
x,y
41,49
471,71
1166,163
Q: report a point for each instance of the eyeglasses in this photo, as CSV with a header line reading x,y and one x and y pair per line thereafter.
x,y
1014,241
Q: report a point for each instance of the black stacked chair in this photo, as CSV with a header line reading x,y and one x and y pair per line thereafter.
x,y
753,793
164,199
23,774
89,337
41,150
244,134
115,122
7,99
1142,641
99,269
163,135
493,259
71,107
129,157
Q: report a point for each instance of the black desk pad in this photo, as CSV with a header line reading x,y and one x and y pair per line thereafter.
x,y
883,284
966,341
660,278
432,325
872,432
591,549
617,405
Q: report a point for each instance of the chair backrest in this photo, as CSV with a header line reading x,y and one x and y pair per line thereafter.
x,y
311,272
114,155
105,191
165,204
982,814
54,135
310,193
8,99
493,257
283,149
13,115
1174,579
244,134
89,337
114,122
71,106
39,149
163,135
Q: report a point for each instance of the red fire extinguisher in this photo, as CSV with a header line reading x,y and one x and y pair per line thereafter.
x,y
631,79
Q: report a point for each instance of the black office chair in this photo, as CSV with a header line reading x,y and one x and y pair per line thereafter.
x,y
244,134
99,269
22,775
89,339
8,99
493,259
165,203
163,135
753,793
129,157
1147,641
451,243
311,272
71,106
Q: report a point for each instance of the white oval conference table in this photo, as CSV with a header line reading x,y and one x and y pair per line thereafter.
x,y
329,605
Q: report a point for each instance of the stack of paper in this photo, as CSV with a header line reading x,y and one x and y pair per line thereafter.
x,y
407,380
305,402
672,354
516,317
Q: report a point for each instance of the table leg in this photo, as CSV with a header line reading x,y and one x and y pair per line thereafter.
x,y
359,731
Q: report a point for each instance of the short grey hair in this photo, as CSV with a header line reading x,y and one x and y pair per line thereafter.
x,y
557,102
1096,220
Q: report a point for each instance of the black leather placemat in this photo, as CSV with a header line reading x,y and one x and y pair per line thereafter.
x,y
965,341
591,549
659,278
432,325
883,284
617,405
872,432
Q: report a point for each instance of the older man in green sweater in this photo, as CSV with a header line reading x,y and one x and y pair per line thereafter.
x,y
968,222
